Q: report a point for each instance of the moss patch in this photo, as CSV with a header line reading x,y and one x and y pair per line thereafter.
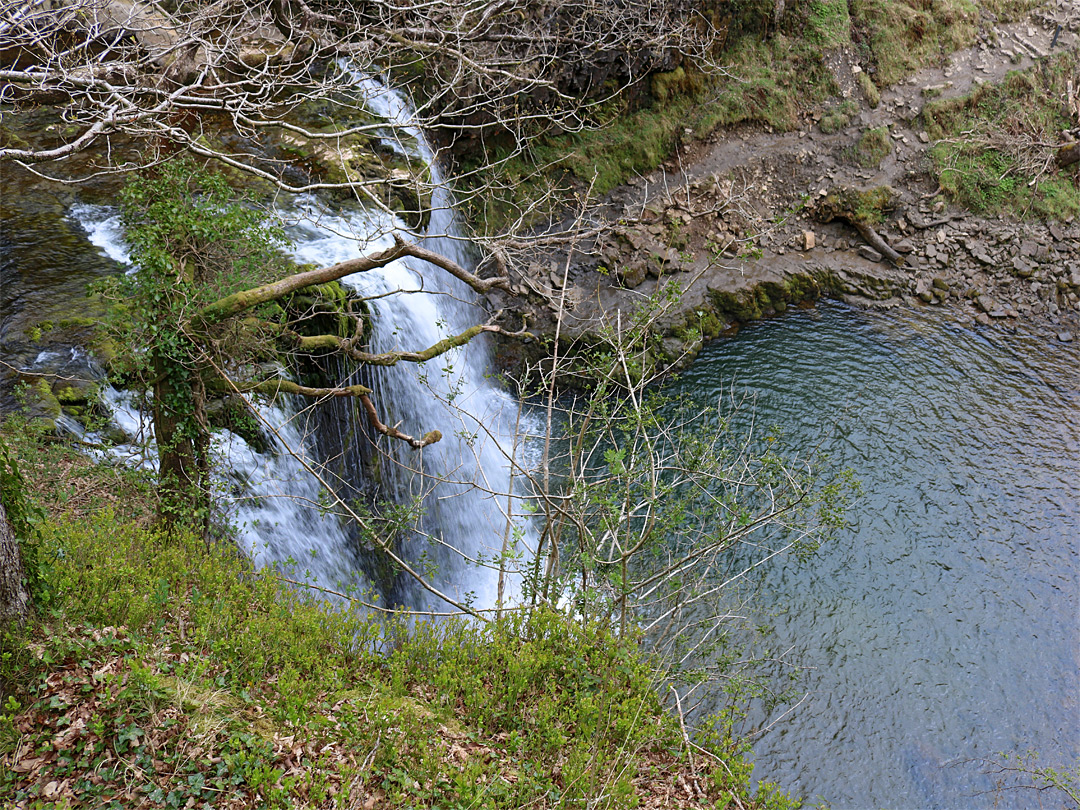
x,y
873,147
904,35
996,146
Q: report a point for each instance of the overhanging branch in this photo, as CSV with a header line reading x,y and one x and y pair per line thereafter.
x,y
246,299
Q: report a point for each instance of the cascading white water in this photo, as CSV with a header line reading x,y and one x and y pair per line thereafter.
x,y
463,481
270,497
460,483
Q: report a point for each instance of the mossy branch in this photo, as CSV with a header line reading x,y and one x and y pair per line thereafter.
x,y
335,343
436,349
246,299
281,386
369,408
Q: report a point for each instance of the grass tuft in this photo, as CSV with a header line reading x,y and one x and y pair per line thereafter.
x,y
873,147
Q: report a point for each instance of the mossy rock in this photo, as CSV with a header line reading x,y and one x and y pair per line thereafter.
x,y
39,403
856,206
763,299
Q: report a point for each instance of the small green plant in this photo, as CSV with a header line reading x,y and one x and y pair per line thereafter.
x,y
873,147
839,117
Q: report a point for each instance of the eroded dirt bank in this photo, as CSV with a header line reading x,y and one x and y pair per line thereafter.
x,y
726,230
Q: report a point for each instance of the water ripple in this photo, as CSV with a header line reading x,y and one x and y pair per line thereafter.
x,y
943,625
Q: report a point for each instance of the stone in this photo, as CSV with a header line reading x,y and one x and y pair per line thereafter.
x,y
808,240
869,253
634,274
986,303
1065,337
941,237
941,284
1022,267
904,246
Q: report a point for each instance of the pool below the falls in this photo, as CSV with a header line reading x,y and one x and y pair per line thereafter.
x,y
941,628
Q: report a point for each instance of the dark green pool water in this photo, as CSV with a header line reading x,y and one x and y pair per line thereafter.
x,y
943,626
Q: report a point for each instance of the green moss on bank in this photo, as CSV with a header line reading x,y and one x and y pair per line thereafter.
x,y
904,35
772,76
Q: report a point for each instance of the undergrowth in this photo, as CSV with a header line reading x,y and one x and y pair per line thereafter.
x,y
168,673
996,146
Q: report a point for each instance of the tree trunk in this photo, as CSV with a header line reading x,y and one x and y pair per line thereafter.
x,y
183,500
14,596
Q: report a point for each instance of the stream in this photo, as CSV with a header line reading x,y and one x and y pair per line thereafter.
x,y
941,628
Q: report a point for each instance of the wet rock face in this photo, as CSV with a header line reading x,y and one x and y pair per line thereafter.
x,y
45,315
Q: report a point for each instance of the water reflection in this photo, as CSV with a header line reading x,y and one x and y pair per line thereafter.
x,y
943,625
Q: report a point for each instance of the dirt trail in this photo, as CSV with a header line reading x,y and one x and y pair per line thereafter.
x,y
754,259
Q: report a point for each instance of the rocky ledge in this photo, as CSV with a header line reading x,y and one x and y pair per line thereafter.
x,y
733,229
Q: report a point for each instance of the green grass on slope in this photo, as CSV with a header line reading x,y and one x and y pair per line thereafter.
x,y
162,673
996,146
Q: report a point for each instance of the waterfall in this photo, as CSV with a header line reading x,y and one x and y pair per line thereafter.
x,y
461,484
